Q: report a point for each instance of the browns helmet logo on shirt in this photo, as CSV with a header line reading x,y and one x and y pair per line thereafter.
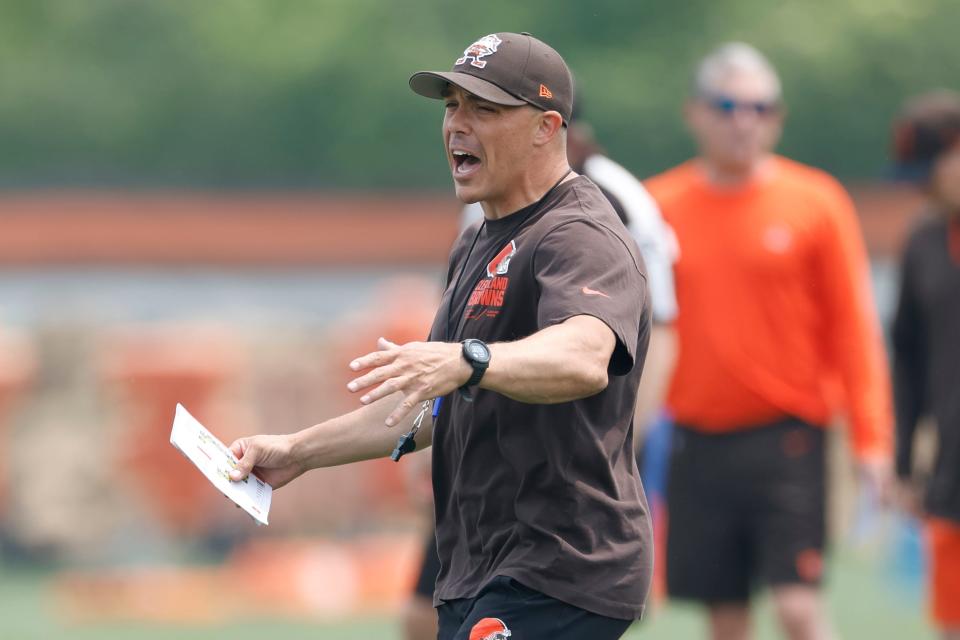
x,y
485,46
499,265
490,629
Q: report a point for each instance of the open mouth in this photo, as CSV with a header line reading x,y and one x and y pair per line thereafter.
x,y
464,163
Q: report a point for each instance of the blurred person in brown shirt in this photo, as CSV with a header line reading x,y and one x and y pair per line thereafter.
x,y
775,315
926,340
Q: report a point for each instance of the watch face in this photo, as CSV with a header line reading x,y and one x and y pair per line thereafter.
x,y
479,352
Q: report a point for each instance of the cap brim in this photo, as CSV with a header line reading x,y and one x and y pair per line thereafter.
x,y
433,84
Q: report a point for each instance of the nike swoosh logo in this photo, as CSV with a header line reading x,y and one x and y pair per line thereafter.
x,y
593,292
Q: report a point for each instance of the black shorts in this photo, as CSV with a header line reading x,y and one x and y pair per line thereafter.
x,y
429,568
507,610
745,509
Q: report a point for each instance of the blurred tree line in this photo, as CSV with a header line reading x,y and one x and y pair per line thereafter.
x,y
313,93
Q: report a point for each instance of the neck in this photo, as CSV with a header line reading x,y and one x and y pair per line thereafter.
x,y
531,188
732,176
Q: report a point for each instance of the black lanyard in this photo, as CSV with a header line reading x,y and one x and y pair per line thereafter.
x,y
523,218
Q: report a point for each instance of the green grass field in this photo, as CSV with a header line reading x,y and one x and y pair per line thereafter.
x,y
863,603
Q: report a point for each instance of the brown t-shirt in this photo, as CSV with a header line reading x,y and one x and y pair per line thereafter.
x,y
546,494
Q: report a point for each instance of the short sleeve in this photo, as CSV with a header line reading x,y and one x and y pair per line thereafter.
x,y
584,268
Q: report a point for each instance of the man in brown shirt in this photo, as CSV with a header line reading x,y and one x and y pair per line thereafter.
x,y
532,365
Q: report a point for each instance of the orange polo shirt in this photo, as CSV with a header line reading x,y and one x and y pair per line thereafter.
x,y
775,305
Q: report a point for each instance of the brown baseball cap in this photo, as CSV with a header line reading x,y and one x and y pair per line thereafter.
x,y
511,69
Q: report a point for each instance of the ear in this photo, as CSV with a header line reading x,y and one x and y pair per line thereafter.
x,y
549,124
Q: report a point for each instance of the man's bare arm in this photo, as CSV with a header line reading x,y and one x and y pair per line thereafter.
x,y
563,362
358,435
560,363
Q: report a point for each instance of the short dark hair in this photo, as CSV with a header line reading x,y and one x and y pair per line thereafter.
x,y
928,125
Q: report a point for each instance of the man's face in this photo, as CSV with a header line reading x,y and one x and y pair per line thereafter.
x,y
488,145
945,180
738,122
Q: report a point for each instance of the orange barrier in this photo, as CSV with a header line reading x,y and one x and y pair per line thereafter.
x,y
313,579
326,578
290,228
264,228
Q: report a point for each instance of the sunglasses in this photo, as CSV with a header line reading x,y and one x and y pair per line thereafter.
x,y
728,106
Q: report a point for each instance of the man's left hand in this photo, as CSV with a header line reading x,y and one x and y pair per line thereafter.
x,y
418,370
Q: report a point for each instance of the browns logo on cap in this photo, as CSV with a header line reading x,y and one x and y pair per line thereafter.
x,y
485,46
511,69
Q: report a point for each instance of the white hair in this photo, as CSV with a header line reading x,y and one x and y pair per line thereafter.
x,y
731,58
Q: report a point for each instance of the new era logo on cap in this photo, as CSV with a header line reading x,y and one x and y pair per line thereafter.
x,y
544,92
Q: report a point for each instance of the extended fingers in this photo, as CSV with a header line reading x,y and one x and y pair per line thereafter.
x,y
371,378
390,386
386,354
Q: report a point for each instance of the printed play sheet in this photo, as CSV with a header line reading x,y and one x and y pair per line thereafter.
x,y
215,461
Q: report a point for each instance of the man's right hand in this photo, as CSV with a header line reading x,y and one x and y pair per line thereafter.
x,y
269,457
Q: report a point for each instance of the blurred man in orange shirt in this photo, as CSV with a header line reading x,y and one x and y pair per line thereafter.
x,y
775,309
926,338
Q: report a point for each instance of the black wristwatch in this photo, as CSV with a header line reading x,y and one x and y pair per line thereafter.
x,y
477,354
